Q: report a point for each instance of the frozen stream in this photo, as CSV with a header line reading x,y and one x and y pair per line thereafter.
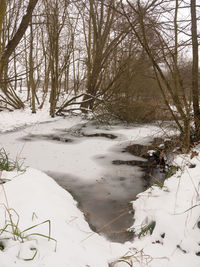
x,y
80,158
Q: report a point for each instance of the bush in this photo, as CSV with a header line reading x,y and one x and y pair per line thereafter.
x,y
143,111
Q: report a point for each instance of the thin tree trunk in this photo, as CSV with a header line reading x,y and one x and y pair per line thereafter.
x,y
31,78
195,89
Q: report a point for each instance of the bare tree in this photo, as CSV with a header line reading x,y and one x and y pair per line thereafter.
x,y
9,49
56,14
164,53
101,38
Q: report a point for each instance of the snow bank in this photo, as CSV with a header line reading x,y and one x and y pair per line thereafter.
x,y
34,198
175,209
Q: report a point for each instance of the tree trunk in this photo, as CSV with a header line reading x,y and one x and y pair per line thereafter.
x,y
195,89
12,44
31,74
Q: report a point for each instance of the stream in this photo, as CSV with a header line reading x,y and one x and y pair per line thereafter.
x,y
104,168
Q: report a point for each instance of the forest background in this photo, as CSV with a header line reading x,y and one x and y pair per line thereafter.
x,y
132,60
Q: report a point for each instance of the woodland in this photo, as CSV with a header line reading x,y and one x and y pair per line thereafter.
x,y
131,60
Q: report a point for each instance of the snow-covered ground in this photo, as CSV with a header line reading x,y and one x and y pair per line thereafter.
x,y
33,198
175,209
20,118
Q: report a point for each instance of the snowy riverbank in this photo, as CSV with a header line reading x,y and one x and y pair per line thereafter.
x,y
33,198
173,214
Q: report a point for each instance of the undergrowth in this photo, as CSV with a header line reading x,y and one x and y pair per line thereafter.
x,y
12,231
147,229
7,164
133,256
171,171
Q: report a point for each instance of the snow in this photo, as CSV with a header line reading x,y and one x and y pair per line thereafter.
x,y
36,198
91,156
12,120
176,211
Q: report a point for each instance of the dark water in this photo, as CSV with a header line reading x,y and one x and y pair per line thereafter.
x,y
106,212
